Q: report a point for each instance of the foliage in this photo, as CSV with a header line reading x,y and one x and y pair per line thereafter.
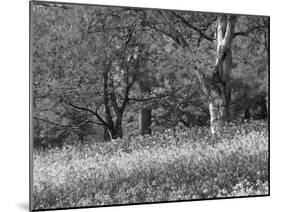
x,y
78,51
177,164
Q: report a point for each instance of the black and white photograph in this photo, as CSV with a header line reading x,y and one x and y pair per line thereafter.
x,y
132,105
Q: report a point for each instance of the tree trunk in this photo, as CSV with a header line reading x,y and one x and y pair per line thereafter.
x,y
145,113
114,132
106,135
220,95
118,132
145,121
247,113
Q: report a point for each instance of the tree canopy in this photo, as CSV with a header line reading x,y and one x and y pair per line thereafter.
x,y
100,72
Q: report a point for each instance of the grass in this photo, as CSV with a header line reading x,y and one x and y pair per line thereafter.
x,y
178,164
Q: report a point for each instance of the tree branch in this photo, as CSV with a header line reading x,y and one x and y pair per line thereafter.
x,y
202,81
247,32
130,84
89,122
68,126
87,110
183,121
185,22
49,122
127,92
106,96
170,35
80,108
229,31
205,29
112,95
177,36
130,35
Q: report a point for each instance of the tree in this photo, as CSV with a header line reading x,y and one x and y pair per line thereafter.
x,y
220,94
145,112
216,85
91,63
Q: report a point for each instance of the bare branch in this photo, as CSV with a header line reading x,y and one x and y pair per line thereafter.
x,y
127,91
106,96
205,29
80,108
113,96
185,123
247,32
87,110
68,126
170,35
177,36
185,22
202,81
130,84
49,122
89,122
130,36
155,97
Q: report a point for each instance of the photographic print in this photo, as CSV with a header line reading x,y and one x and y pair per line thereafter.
x,y
137,105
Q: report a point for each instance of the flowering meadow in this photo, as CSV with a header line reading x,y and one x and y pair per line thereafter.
x,y
176,164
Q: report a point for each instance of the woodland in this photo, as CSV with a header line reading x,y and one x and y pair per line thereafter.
x,y
130,71
112,85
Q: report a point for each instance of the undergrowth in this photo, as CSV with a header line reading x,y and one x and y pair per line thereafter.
x,y
178,164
